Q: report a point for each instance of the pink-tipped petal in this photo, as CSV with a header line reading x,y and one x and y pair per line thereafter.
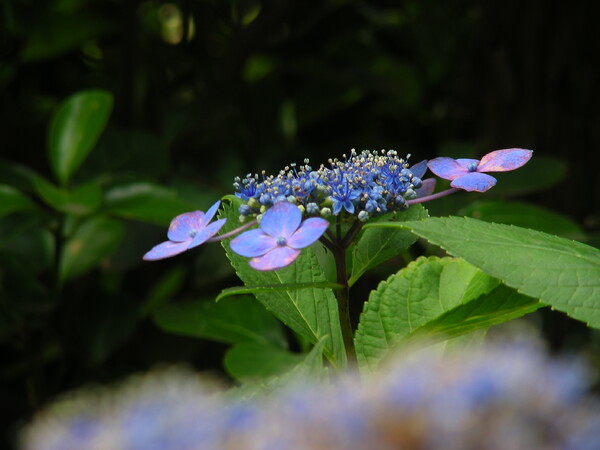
x,y
310,230
419,169
446,168
183,225
206,233
275,259
504,160
281,220
474,182
210,213
166,250
426,188
252,243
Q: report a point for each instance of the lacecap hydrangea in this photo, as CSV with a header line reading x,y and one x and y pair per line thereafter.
x,y
296,207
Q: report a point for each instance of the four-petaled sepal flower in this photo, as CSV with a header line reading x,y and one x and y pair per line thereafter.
x,y
187,231
281,235
467,174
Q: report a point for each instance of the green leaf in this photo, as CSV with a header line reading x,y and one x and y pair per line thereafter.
x,y
523,215
376,245
238,320
12,200
146,202
310,368
74,130
311,313
238,290
82,200
500,305
164,289
93,241
561,273
250,361
57,34
410,299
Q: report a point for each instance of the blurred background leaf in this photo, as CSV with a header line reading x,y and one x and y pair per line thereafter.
x,y
74,130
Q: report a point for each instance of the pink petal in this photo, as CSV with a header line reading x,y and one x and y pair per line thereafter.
x,y
184,224
310,230
419,169
275,259
281,220
426,188
253,243
166,250
474,181
447,168
210,214
206,233
504,160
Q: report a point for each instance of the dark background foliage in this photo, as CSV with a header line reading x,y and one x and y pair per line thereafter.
x,y
206,90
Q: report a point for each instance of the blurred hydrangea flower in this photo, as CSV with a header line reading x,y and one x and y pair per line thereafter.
x,y
467,174
281,235
187,231
498,397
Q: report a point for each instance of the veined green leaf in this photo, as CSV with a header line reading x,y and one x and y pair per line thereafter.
x,y
561,273
310,312
500,305
410,299
376,245
523,215
238,290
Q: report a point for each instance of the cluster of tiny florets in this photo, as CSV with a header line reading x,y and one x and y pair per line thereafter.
x,y
365,184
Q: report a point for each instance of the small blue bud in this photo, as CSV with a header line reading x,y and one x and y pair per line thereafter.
x,y
312,208
363,216
472,167
417,182
245,210
410,194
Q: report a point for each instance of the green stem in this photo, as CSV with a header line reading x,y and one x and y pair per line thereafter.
x,y
343,295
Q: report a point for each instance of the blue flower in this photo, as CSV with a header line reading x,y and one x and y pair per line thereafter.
x,y
187,231
343,196
281,235
468,174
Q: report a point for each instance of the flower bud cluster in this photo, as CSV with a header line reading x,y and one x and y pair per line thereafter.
x,y
366,184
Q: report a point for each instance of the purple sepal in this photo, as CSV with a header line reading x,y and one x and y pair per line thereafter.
x,y
474,182
277,258
310,231
447,168
166,250
504,160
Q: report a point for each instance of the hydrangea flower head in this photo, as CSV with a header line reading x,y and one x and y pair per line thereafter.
x,y
186,231
281,235
366,184
468,174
